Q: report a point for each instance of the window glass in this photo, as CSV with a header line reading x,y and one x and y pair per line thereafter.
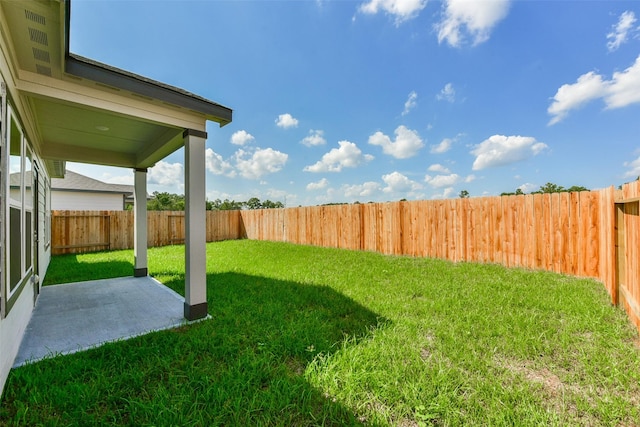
x,y
28,181
47,213
15,248
28,240
15,162
21,202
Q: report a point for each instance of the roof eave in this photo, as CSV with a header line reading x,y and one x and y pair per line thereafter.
x,y
111,76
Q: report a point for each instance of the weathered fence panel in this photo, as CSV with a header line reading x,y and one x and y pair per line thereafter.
x,y
80,231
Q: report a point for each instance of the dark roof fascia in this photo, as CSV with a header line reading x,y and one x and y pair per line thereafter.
x,y
111,76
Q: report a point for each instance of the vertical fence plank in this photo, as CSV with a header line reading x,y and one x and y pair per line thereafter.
x,y
506,229
607,240
472,247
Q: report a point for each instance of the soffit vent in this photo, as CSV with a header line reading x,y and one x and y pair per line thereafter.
x,y
41,55
45,71
57,168
34,17
38,36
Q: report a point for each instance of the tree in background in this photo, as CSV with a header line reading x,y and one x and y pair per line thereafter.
x,y
176,202
268,204
550,187
554,188
518,192
255,203
165,202
464,194
224,205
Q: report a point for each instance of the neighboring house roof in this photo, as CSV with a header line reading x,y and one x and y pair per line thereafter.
x,y
14,179
73,181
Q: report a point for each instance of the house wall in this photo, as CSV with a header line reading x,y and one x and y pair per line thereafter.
x,y
12,330
17,305
86,201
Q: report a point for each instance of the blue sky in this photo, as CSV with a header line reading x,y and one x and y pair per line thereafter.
x,y
382,100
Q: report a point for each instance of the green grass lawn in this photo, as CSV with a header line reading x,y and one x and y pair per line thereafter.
x,y
312,336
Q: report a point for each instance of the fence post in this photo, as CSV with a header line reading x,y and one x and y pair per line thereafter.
x,y
619,271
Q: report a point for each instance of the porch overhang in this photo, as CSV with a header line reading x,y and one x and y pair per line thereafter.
x,y
72,108
85,111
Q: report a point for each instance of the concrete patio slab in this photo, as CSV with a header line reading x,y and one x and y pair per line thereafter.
x,y
78,316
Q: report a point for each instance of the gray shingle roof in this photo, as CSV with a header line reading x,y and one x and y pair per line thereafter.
x,y
73,181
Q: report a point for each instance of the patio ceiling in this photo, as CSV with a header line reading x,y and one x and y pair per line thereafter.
x,y
88,112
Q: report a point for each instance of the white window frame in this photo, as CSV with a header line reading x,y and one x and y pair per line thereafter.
x,y
21,205
3,176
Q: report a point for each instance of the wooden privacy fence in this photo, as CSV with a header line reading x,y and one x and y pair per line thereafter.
x,y
90,231
588,234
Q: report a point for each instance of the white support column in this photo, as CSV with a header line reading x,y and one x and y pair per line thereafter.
x,y
140,225
195,299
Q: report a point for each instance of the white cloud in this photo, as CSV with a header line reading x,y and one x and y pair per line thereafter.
x,y
216,164
448,93
624,87
402,10
473,19
361,190
118,179
397,183
407,143
621,30
438,168
215,194
260,162
167,174
411,103
322,184
314,138
634,168
286,121
348,155
443,147
622,90
278,195
528,187
440,181
501,150
571,96
447,193
241,137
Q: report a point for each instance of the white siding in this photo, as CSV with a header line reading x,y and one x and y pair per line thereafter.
x,y
14,324
86,201
12,330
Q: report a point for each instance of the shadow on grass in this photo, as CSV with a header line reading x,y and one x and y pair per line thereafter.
x,y
70,269
245,366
